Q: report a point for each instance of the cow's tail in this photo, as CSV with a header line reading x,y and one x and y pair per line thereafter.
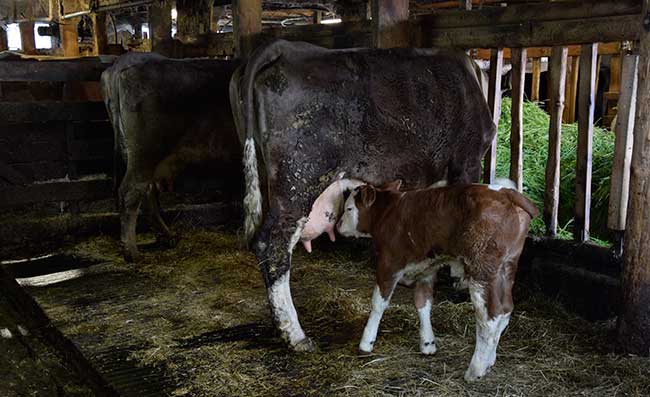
x,y
260,58
112,102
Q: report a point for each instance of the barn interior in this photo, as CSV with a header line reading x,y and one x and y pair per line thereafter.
x,y
568,88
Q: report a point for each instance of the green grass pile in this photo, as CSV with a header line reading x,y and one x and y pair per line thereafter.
x,y
536,123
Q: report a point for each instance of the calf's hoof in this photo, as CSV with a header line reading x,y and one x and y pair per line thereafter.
x,y
473,374
305,346
428,348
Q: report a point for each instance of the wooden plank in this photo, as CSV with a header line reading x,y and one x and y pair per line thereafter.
x,y
588,63
494,103
537,73
390,23
4,44
556,106
524,33
27,39
41,112
247,26
569,114
634,318
539,52
620,181
69,37
517,115
56,191
58,70
100,37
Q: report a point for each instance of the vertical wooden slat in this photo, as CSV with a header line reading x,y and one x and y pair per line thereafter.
x,y
634,318
27,38
4,45
569,115
390,23
537,72
466,4
587,101
620,180
247,25
69,37
160,26
100,38
558,66
494,103
518,61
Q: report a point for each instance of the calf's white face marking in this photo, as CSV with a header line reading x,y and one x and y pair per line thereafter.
x,y
350,220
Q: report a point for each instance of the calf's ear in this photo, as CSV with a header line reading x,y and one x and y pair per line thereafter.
x,y
394,185
367,195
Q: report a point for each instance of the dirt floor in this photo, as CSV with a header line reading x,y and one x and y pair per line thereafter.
x,y
194,321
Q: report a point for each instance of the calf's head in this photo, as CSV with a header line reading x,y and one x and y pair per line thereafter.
x,y
357,214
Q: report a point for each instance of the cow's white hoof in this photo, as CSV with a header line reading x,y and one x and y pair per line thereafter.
x,y
428,348
473,374
365,347
304,346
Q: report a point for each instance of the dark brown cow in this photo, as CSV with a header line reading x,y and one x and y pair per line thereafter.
x,y
478,230
167,115
321,120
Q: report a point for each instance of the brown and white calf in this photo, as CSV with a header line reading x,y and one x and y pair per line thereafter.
x,y
478,230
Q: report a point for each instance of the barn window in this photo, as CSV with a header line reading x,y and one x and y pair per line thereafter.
x,y
13,37
42,41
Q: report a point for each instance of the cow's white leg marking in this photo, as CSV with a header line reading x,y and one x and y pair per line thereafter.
x,y
379,305
285,313
427,339
253,198
488,332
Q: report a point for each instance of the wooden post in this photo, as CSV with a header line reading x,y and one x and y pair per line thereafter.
x,y
587,101
390,21
569,115
614,89
247,25
4,45
69,37
160,26
465,4
558,66
27,38
100,38
537,72
634,319
620,180
494,103
193,17
518,61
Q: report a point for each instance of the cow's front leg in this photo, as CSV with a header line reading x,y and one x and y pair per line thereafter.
x,y
488,332
423,301
380,300
274,247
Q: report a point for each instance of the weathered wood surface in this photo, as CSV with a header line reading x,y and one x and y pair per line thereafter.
x,y
624,130
27,39
4,45
634,319
69,37
56,70
569,115
247,26
556,106
494,103
537,72
100,38
56,191
41,112
160,26
517,115
390,20
194,17
587,102
538,52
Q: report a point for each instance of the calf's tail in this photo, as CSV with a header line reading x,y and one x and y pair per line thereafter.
x,y
522,202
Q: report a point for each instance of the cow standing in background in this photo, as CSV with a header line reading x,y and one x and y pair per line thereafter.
x,y
167,115
315,117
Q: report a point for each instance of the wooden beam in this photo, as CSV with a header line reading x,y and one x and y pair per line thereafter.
x,y
100,38
556,106
569,115
56,70
56,191
4,45
247,26
27,39
587,102
390,20
494,103
634,319
537,73
517,116
613,48
160,26
620,180
69,37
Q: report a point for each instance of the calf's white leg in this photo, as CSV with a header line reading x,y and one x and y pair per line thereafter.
x,y
423,299
379,304
488,332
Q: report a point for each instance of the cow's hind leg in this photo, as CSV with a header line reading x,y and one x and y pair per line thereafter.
x,y
423,301
488,331
130,195
274,246
163,234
